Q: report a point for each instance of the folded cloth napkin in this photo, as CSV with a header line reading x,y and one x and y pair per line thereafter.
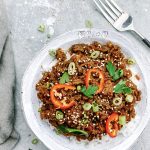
x,y
8,136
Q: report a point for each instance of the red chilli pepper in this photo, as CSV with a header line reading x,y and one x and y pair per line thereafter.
x,y
112,125
58,103
101,76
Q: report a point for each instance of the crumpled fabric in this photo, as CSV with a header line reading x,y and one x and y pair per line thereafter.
x,y
8,136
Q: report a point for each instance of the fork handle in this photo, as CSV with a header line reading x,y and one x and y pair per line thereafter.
x,y
145,40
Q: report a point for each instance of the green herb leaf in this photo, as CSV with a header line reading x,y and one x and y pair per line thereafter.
x,y
111,68
41,28
64,129
116,74
35,141
90,91
122,88
88,24
64,78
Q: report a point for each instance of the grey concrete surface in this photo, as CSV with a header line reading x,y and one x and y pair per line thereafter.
x,y
62,15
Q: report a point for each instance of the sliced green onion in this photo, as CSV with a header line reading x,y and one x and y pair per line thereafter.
x,y
117,101
39,110
95,54
122,120
95,107
47,85
52,53
88,24
59,115
131,61
35,141
84,121
129,98
78,87
87,106
41,28
71,68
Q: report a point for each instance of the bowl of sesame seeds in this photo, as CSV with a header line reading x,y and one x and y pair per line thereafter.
x,y
86,91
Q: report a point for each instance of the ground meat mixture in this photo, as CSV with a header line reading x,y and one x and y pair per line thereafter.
x,y
72,74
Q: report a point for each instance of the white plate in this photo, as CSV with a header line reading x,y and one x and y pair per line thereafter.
x,y
30,102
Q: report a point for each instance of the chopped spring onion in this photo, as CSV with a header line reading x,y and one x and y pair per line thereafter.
x,y
122,120
78,87
71,68
95,107
52,53
59,115
88,24
35,141
95,54
131,61
117,101
39,110
87,106
41,28
84,121
129,98
47,85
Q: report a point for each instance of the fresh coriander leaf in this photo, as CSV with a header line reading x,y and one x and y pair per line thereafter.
x,y
118,74
111,68
127,90
52,52
41,28
122,88
89,91
88,24
64,78
119,86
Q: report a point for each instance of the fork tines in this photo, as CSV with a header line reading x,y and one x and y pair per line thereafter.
x,y
109,9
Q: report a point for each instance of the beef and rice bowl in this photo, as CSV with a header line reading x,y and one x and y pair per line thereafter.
x,y
90,94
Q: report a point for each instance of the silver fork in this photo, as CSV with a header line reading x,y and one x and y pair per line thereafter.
x,y
121,20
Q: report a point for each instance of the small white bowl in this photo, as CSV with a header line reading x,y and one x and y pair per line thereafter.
x,y
30,103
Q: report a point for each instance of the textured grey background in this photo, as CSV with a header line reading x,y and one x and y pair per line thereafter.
x,y
62,15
